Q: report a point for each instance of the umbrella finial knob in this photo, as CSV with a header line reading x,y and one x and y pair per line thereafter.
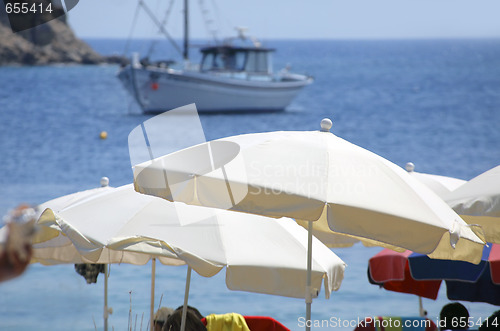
x,y
104,181
326,125
410,167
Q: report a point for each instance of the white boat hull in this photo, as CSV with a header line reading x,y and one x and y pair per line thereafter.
x,y
160,89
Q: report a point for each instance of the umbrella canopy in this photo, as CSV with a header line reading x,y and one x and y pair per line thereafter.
x,y
441,185
485,289
259,255
417,274
391,270
64,201
308,176
312,176
52,246
478,202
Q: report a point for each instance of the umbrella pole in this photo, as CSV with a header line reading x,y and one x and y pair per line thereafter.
x,y
308,281
186,295
106,311
105,183
421,307
151,309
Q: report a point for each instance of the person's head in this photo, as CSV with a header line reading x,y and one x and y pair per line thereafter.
x,y
491,323
193,310
161,317
193,323
454,316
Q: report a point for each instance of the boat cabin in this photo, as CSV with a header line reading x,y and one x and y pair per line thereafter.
x,y
237,59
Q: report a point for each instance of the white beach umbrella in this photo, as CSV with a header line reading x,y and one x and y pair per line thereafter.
x,y
311,176
51,246
123,220
69,199
259,255
441,185
478,202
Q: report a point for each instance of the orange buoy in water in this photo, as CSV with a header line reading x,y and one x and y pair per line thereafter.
x,y
154,86
103,135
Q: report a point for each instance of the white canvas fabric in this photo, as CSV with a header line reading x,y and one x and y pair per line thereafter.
x,y
51,246
260,254
441,185
478,202
313,176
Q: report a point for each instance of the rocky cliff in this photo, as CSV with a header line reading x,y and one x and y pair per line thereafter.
x,y
51,42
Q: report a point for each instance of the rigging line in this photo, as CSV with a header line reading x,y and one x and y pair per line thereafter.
x,y
207,20
167,14
219,17
161,27
155,9
163,22
153,43
127,44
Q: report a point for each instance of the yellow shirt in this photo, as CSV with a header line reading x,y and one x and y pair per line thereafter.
x,y
226,322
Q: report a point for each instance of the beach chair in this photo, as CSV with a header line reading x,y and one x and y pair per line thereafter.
x,y
395,323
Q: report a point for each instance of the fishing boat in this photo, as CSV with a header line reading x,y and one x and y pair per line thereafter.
x,y
234,75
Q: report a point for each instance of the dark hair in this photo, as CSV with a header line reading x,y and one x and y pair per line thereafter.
x,y
193,310
193,323
491,323
454,316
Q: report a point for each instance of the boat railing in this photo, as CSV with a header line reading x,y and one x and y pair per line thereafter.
x,y
241,75
189,66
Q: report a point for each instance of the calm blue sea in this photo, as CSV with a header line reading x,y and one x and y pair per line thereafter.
x,y
434,103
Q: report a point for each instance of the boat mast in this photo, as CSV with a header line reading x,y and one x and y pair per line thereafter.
x,y
186,31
